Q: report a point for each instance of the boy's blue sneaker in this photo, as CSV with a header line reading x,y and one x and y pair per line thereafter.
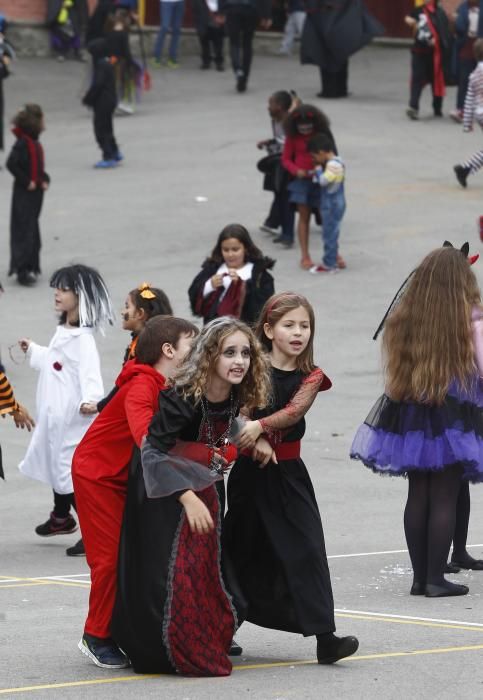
x,y
118,157
104,164
103,652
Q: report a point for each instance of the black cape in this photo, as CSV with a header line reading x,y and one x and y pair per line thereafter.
x,y
334,30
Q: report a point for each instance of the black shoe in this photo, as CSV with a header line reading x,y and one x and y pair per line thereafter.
x,y
205,66
57,526
335,649
235,649
220,67
77,550
26,279
418,588
461,174
241,82
412,113
467,563
451,568
445,590
286,242
438,113
103,652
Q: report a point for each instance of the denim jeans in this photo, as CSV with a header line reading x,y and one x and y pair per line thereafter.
x,y
171,19
332,209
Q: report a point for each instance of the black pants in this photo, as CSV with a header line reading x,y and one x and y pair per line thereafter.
x,y
465,67
104,131
422,72
241,22
212,46
63,503
334,83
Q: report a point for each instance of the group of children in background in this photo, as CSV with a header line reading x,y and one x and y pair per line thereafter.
x,y
304,172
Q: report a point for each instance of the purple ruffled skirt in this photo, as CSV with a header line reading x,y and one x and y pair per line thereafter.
x,y
399,437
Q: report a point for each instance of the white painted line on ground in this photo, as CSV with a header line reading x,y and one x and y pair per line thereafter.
x,y
375,554
410,617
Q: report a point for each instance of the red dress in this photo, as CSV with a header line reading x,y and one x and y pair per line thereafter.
x,y
100,472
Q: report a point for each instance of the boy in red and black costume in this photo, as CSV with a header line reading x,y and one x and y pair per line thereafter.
x,y
100,471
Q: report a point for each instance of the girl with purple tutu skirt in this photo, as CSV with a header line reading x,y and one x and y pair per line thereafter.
x,y
428,425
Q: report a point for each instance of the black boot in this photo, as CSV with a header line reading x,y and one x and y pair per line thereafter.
x,y
461,174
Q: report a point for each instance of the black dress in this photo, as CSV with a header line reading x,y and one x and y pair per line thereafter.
x,y
274,558
172,612
26,207
256,291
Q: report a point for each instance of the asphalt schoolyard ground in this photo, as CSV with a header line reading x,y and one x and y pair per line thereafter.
x,y
190,169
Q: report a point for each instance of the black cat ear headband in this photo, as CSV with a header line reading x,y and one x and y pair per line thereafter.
x,y
465,249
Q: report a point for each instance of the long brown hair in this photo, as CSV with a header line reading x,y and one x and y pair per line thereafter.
x,y
427,338
193,376
275,308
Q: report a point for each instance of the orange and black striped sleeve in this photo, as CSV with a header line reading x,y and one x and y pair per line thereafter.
x,y
8,403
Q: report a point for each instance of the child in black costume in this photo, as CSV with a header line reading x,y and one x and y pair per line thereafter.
x,y
234,280
273,546
26,163
102,97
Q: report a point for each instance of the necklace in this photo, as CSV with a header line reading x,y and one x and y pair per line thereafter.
x,y
206,432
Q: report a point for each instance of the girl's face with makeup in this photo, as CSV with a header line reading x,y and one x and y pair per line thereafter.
x,y
234,360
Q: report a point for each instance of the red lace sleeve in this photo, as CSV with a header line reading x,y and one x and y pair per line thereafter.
x,y
297,407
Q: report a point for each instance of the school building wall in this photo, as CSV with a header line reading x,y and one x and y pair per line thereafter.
x,y
28,10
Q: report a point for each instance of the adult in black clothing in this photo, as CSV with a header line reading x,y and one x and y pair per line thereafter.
x,y
102,97
234,280
241,20
333,31
210,33
96,26
26,163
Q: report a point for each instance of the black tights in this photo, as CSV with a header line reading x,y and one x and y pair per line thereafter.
x,y
63,503
429,521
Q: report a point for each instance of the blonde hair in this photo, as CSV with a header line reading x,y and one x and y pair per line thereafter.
x,y
274,310
193,375
427,340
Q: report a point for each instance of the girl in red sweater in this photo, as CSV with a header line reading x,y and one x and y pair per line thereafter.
x,y
300,126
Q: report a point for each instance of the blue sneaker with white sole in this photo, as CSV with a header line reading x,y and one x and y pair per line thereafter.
x,y
103,652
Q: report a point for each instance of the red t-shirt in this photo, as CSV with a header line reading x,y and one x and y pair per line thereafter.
x,y
105,451
295,155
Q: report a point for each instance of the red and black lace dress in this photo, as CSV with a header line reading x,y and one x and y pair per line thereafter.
x,y
274,555
172,612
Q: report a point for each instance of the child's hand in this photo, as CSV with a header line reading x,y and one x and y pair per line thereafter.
x,y
233,273
45,185
262,144
23,419
88,409
301,174
263,452
198,515
24,344
217,281
249,434
266,23
31,186
219,20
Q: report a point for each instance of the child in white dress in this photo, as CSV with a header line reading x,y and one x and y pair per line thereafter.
x,y
70,379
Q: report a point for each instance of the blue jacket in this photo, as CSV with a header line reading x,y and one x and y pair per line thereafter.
x,y
462,22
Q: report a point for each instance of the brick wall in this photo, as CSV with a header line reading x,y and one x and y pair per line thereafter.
x,y
28,10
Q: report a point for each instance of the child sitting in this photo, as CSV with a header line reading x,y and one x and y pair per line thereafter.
x,y
329,173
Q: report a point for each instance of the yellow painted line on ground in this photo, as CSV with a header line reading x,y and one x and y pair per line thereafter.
x,y
44,583
246,667
398,621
